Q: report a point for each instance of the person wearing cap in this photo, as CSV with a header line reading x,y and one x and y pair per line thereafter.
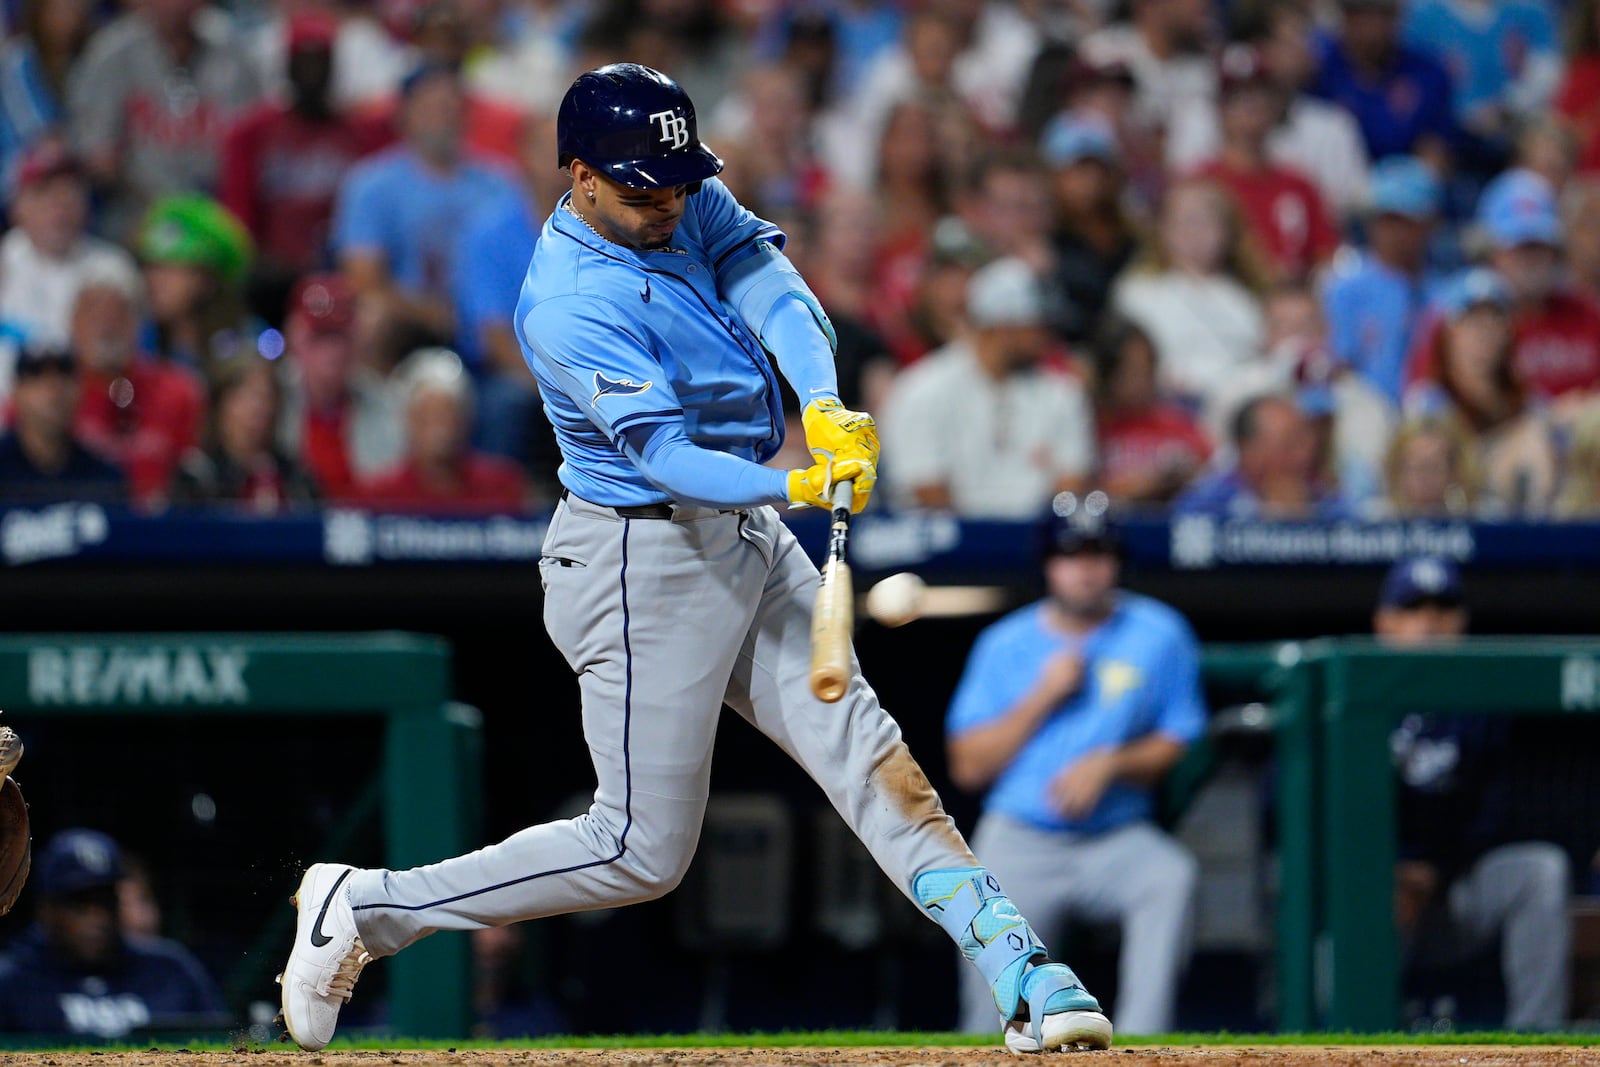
x,y
990,394
149,101
1349,420
1282,209
399,214
336,416
1399,94
1472,379
75,971
41,460
46,254
140,412
1093,238
282,162
1465,882
1069,714
1318,139
1274,472
238,463
196,258
441,471
1376,300
1557,347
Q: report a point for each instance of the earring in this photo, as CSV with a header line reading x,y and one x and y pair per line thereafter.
x,y
591,194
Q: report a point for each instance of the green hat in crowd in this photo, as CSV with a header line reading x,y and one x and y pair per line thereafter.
x,y
196,231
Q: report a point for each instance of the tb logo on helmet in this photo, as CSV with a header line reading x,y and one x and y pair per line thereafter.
x,y
674,128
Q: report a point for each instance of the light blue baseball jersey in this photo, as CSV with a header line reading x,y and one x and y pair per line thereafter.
x,y
1142,675
621,339
1373,313
1485,47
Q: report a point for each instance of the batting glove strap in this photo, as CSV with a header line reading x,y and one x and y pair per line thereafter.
x,y
834,429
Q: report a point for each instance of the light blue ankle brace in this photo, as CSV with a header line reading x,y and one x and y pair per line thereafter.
x,y
976,913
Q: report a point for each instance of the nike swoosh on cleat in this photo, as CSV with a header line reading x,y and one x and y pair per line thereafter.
x,y
318,938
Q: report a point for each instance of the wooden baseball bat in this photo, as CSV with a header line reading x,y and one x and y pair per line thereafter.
x,y
834,616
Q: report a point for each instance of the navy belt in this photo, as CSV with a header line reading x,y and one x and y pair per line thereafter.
x,y
634,511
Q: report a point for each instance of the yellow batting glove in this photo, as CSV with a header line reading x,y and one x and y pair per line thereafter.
x,y
813,487
833,430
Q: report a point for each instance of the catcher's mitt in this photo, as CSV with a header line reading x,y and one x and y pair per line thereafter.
x,y
16,839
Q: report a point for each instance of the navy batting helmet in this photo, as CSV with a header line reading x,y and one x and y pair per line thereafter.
x,y
634,125
1079,524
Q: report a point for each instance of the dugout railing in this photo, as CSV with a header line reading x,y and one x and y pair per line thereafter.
x,y
431,746
1336,702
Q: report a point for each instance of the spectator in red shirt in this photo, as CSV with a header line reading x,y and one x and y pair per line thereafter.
x,y
1148,448
337,416
1578,100
441,472
1556,353
1281,207
139,412
282,164
239,463
1474,380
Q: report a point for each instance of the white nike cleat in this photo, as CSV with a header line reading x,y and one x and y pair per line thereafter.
x,y
1067,1031
326,959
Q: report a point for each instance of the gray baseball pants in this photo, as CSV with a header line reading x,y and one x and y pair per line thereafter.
x,y
664,621
1519,893
1135,876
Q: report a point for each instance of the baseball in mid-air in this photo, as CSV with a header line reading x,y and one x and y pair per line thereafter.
x,y
897,599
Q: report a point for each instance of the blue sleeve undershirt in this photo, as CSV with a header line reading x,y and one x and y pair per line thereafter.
x,y
694,475
792,334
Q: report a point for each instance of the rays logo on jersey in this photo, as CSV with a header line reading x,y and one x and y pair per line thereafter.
x,y
604,386
674,128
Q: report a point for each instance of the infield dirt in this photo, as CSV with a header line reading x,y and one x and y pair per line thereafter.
x,y
1132,1056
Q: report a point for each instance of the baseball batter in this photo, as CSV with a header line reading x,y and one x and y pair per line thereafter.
x,y
652,313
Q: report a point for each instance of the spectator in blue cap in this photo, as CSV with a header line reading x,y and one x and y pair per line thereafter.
x,y
1557,331
1464,883
1472,379
75,971
1376,300
1093,237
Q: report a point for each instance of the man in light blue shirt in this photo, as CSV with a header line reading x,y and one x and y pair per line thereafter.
x,y
1504,57
400,213
1374,300
1069,714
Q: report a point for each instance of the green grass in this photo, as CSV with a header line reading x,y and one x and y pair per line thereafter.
x,y
848,1038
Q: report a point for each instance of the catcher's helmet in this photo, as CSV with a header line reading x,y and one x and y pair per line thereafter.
x,y
634,125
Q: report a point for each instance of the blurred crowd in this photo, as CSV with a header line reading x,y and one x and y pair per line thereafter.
x,y
1278,258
